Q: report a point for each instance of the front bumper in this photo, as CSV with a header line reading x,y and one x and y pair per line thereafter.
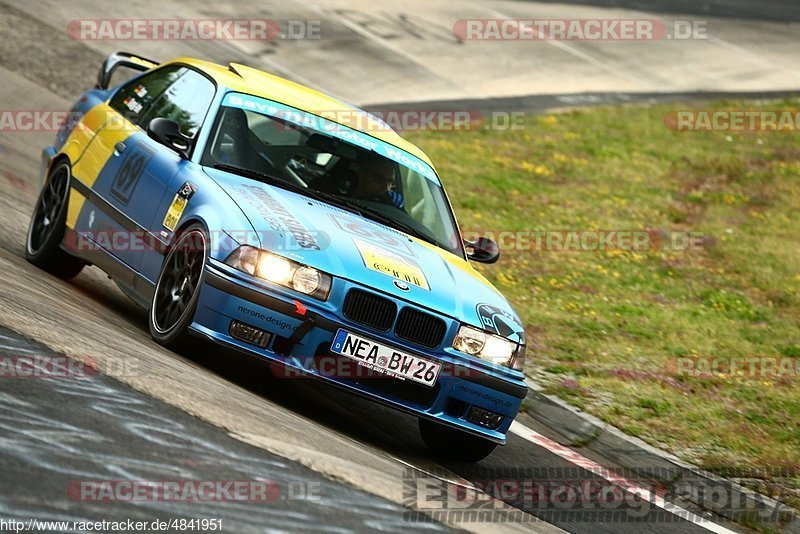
x,y
302,332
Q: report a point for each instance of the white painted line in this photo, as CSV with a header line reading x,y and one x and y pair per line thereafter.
x,y
624,74
754,57
580,461
17,349
352,26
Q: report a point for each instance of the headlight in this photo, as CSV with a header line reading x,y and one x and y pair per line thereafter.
x,y
306,280
282,271
489,347
518,361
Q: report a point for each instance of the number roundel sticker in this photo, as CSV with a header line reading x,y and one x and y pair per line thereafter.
x,y
136,159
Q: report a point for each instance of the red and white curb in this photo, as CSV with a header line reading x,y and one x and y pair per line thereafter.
x,y
607,474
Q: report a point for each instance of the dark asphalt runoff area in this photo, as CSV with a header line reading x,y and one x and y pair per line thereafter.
x,y
81,427
548,102
774,10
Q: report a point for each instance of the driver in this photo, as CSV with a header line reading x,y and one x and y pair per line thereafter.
x,y
376,180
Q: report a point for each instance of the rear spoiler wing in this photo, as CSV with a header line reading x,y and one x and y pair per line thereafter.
x,y
121,59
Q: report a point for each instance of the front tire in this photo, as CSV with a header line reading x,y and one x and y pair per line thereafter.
x,y
178,288
450,444
48,224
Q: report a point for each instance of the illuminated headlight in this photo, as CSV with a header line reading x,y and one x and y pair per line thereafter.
x,y
280,270
489,347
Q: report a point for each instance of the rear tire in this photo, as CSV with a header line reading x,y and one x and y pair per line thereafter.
x,y
178,288
48,224
450,444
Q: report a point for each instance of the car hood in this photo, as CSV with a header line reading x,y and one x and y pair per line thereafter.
x,y
366,252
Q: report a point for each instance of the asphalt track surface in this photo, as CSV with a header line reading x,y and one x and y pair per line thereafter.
x,y
223,410
370,52
773,10
94,428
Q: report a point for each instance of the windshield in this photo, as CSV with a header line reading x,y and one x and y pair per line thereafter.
x,y
331,162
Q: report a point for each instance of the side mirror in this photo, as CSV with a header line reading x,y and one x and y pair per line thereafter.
x,y
168,133
482,250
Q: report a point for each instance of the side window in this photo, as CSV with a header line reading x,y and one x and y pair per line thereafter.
x,y
134,99
186,102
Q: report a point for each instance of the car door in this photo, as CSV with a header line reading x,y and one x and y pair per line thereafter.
x,y
131,184
186,101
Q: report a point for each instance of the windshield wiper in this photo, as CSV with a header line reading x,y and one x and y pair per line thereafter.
x,y
271,180
371,213
258,175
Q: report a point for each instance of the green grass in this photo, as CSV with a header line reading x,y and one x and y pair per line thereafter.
x,y
605,328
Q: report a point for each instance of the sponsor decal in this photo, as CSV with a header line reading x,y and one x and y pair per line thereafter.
x,y
369,232
178,206
391,264
278,217
274,321
133,104
499,321
478,393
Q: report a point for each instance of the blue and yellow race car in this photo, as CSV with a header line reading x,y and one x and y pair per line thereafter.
x,y
272,219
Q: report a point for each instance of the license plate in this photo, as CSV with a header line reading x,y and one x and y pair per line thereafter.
x,y
386,360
